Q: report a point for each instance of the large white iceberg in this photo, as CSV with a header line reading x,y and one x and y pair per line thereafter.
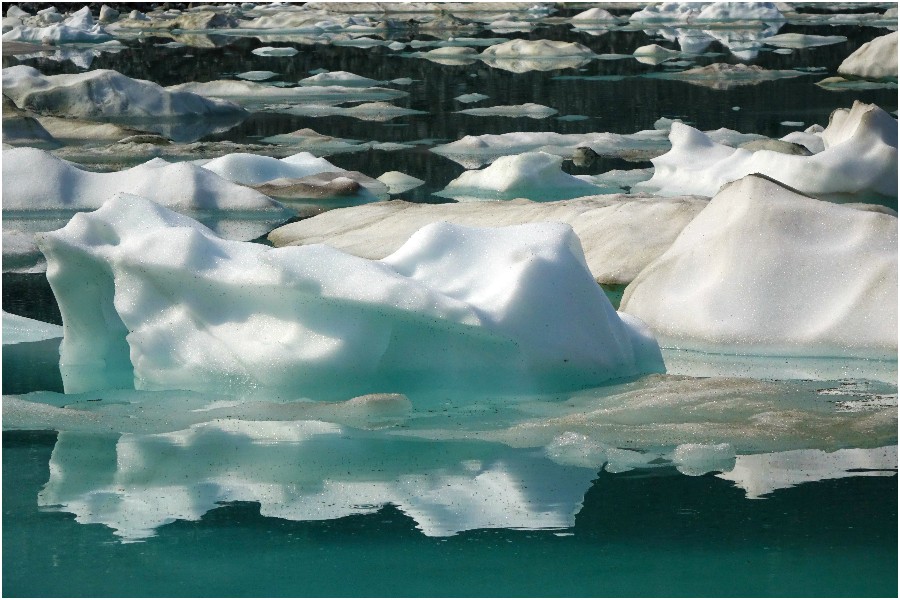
x,y
153,300
860,159
873,60
763,270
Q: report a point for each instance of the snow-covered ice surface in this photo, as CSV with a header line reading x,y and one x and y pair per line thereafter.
x,y
833,269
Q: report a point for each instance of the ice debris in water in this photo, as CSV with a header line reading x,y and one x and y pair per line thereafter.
x,y
256,75
36,180
532,175
620,234
17,329
822,280
873,60
105,94
529,109
399,183
252,169
474,97
78,28
860,159
169,305
270,51
261,96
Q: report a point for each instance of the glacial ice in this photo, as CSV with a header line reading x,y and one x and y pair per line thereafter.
x,y
531,175
799,40
78,28
35,180
253,169
102,94
763,270
270,51
620,234
260,95
399,183
256,75
368,111
724,76
594,15
521,56
340,78
860,159
168,305
17,329
529,109
873,60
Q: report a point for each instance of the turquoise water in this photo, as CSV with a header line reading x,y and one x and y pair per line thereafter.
x,y
581,494
640,533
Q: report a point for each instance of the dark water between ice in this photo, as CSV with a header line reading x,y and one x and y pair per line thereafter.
x,y
645,532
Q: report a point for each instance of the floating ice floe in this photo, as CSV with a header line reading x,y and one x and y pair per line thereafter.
x,y
859,160
594,15
873,60
259,95
399,183
17,330
340,78
253,169
78,28
369,111
474,151
620,234
270,51
800,40
841,84
530,110
654,54
172,306
531,175
724,76
451,56
312,194
35,180
520,56
316,143
763,270
105,95
256,75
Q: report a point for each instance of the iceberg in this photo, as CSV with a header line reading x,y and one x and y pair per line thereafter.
x,y
873,60
522,56
151,299
35,180
799,40
764,270
531,175
253,169
341,78
368,111
859,160
256,75
529,109
724,76
103,94
260,95
78,28
620,234
270,51
399,183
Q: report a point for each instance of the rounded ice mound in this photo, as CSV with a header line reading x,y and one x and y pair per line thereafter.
x,y
859,160
251,169
105,94
873,60
532,175
35,180
153,300
536,49
763,270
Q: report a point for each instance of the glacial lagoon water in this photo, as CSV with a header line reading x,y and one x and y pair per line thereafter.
x,y
781,484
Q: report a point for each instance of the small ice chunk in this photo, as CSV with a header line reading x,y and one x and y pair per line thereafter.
x,y
792,123
399,183
473,97
257,75
530,110
271,51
